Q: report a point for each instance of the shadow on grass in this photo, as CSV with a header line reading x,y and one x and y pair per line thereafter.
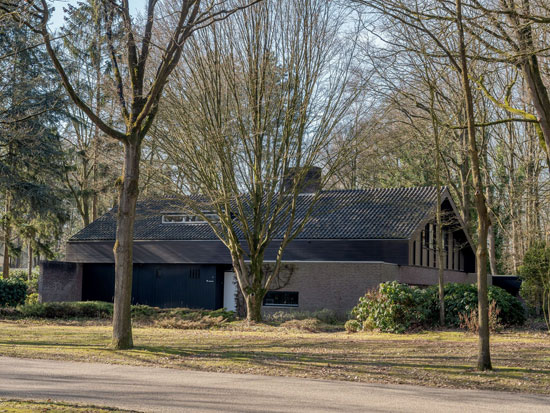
x,y
397,360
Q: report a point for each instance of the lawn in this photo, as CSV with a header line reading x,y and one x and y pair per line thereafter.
x,y
436,358
18,406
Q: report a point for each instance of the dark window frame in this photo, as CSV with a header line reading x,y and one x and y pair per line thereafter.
x,y
272,294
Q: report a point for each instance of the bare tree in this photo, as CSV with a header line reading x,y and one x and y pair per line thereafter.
x,y
432,21
249,117
512,33
139,84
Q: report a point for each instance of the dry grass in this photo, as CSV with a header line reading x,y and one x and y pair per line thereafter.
x,y
20,406
442,358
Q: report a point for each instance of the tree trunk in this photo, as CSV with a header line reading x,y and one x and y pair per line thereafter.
x,y
484,357
128,194
440,260
439,220
539,95
254,308
465,182
7,237
86,210
492,250
29,268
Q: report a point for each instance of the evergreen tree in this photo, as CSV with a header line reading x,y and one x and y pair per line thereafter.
x,y
30,151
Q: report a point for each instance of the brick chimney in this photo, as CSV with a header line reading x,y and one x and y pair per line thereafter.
x,y
310,184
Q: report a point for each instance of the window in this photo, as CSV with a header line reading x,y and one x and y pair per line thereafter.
x,y
281,298
188,218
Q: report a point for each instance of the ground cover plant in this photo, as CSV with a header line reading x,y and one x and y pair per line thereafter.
x,y
181,318
96,310
435,358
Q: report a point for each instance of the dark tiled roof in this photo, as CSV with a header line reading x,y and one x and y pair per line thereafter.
x,y
393,213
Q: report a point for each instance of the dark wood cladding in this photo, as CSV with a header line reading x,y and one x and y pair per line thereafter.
x,y
159,285
214,252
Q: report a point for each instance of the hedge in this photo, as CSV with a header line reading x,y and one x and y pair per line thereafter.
x,y
12,292
79,309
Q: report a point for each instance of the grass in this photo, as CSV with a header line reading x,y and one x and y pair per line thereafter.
x,y
21,406
437,358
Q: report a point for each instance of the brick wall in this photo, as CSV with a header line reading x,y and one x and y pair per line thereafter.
x,y
334,285
60,281
338,285
428,276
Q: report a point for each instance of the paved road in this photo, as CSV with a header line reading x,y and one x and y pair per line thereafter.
x,y
167,390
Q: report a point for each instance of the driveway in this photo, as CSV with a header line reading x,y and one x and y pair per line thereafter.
x,y
166,390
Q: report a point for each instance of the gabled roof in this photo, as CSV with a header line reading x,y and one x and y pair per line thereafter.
x,y
393,213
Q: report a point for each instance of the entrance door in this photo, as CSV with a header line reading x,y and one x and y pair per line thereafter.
x,y
229,291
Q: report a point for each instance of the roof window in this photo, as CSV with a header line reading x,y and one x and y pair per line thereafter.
x,y
188,218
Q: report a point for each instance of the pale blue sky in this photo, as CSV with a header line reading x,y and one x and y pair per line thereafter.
x,y
136,6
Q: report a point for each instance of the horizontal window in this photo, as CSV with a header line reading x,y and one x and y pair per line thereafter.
x,y
188,219
281,298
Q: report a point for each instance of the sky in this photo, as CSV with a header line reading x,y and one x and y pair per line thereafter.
x,y
57,16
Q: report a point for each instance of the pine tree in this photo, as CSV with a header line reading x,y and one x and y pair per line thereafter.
x,y
30,151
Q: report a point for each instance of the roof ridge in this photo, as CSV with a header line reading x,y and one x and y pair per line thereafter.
x,y
394,188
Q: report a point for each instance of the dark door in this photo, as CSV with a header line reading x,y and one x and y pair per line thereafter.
x,y
170,286
98,282
201,287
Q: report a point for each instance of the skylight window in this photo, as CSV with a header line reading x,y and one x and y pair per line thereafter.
x,y
188,218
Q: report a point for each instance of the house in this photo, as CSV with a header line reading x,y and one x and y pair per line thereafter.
x,y
354,240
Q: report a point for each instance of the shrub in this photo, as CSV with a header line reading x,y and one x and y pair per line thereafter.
x,y
325,315
140,310
535,276
81,309
352,326
462,299
459,299
23,276
194,314
396,307
512,311
12,292
221,312
470,321
31,299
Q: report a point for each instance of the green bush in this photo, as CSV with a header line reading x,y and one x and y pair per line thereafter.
x,y
459,299
23,275
12,292
325,315
79,309
352,326
31,299
141,310
97,309
194,314
396,307
462,299
512,311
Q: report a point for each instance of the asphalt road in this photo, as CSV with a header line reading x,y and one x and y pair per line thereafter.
x,y
167,390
